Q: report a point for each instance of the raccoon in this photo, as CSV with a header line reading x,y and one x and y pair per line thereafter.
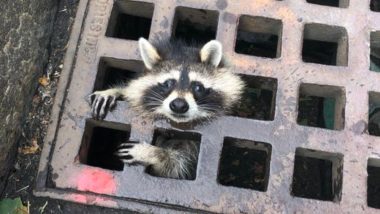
x,y
181,82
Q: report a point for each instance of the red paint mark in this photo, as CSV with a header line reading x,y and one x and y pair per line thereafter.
x,y
96,180
78,198
85,199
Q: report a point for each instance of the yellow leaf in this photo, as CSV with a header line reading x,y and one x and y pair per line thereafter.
x,y
43,81
30,149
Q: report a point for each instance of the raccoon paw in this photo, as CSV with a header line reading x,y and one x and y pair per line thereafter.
x,y
135,153
101,103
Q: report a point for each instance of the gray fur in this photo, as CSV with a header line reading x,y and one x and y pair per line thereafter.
x,y
180,160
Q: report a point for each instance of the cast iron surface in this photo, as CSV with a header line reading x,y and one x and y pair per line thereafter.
x,y
62,176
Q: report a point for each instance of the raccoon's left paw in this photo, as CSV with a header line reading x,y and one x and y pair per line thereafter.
x,y
134,152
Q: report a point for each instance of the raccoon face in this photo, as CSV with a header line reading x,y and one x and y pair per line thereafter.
x,y
184,83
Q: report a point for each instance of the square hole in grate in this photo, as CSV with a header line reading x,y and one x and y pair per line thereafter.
x,y
130,20
375,52
375,5
333,3
195,25
187,143
373,183
325,44
245,164
259,98
317,175
321,106
374,113
259,36
113,72
100,141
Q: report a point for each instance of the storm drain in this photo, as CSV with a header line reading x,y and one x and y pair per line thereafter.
x,y
305,137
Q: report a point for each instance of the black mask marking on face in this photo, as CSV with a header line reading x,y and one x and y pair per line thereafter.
x,y
206,98
155,95
166,87
199,91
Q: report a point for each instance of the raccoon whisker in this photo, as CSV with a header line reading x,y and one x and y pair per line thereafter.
x,y
150,98
208,103
211,107
156,94
153,101
155,97
205,99
210,112
151,106
208,108
155,106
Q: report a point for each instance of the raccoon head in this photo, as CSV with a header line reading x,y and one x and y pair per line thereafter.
x,y
184,83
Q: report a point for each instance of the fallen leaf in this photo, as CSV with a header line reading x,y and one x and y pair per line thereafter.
x,y
30,149
13,206
44,81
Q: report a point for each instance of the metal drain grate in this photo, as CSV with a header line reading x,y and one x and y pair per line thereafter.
x,y
294,55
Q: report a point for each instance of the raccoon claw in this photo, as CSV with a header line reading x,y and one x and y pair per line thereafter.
x,y
125,153
131,153
101,104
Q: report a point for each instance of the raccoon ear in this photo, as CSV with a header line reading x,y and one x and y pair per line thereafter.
x,y
211,53
148,53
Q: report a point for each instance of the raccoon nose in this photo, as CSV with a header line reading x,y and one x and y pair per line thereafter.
x,y
179,105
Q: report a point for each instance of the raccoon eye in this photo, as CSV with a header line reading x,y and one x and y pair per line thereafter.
x,y
168,84
198,89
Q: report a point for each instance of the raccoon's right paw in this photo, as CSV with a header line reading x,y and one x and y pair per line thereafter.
x,y
101,103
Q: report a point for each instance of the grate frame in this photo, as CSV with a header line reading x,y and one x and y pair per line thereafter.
x,y
62,176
